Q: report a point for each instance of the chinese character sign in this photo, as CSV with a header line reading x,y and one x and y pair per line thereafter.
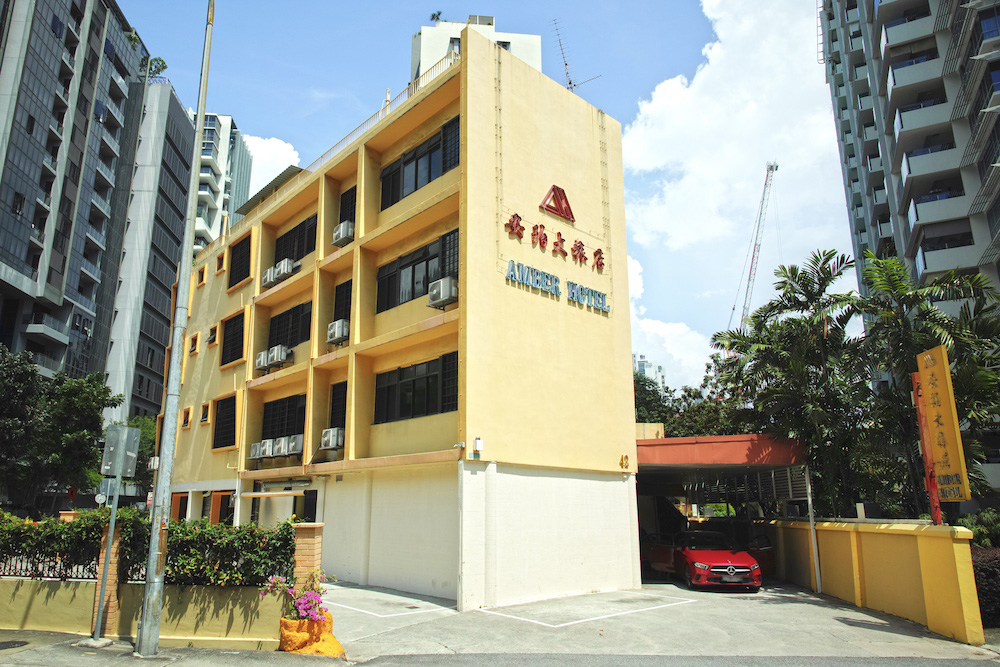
x,y
941,425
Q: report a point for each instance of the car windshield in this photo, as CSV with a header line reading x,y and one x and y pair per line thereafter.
x,y
714,541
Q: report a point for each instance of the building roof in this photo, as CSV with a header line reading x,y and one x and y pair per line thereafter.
x,y
288,174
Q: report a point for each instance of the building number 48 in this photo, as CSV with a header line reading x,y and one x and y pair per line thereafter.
x,y
623,461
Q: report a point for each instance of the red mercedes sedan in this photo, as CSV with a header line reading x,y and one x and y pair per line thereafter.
x,y
702,558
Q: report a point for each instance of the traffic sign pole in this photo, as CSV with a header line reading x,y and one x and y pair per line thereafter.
x,y
119,465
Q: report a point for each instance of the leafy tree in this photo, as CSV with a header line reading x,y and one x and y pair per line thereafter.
x,y
436,16
147,448
709,409
49,428
650,400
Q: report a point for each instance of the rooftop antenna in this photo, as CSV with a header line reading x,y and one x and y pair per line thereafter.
x,y
570,84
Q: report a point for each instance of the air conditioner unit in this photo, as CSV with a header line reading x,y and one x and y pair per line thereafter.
x,y
294,444
266,448
336,332
278,355
343,233
443,292
267,280
261,364
255,450
333,438
283,269
281,446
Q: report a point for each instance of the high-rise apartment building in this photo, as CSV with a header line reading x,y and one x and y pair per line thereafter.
x,y
432,43
71,91
642,365
224,178
422,340
916,98
157,211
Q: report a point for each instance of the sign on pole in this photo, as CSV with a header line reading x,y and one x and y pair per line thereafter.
x,y
944,441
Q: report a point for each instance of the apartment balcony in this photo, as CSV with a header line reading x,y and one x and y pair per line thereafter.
x,y
115,117
874,173
861,78
90,269
102,205
56,129
119,81
948,259
914,122
901,31
907,74
926,162
938,207
837,70
858,218
62,94
105,175
47,366
69,59
108,140
852,15
40,325
37,235
97,236
203,229
210,157
208,177
49,162
857,44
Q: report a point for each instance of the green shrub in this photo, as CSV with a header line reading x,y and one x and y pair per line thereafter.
x,y
986,565
197,552
985,526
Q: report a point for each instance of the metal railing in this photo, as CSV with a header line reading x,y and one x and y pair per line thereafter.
x,y
46,320
432,73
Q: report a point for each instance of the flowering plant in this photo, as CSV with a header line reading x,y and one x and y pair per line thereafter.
x,y
306,603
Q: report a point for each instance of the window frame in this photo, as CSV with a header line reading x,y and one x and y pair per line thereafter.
x,y
396,391
224,361
393,177
238,280
220,424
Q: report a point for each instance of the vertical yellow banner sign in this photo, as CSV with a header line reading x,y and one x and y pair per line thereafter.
x,y
941,423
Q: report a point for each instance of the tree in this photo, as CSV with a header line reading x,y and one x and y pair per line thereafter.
x,y
436,16
49,428
147,448
709,409
650,400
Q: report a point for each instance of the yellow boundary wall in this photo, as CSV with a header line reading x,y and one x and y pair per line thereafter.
x,y
923,573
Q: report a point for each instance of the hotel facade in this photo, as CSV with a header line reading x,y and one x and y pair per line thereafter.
x,y
422,342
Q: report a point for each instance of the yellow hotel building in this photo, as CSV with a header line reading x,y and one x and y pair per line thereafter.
x,y
422,341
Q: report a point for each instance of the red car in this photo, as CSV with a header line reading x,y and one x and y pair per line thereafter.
x,y
702,558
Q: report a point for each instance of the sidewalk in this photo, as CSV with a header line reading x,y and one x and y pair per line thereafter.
x,y
781,625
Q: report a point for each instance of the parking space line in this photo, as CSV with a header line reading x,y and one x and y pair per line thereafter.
x,y
371,613
587,620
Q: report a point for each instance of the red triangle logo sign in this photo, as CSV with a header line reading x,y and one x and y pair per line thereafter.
x,y
556,203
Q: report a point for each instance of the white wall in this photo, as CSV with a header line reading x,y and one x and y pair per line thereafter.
x,y
530,534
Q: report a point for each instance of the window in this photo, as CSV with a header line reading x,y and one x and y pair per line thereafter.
x,y
348,204
201,276
422,165
290,327
204,413
232,340
220,263
342,301
213,335
58,27
428,388
410,276
29,127
338,405
186,420
194,344
17,205
285,416
504,45
239,261
225,423
297,242
455,45
944,235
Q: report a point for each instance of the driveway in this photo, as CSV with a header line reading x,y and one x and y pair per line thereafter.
x,y
661,618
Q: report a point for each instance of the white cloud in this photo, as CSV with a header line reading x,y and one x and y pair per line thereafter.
x,y
695,157
271,156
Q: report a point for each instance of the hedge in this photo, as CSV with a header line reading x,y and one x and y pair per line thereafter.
x,y
986,565
197,552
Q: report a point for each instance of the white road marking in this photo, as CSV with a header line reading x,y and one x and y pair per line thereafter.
x,y
371,613
595,618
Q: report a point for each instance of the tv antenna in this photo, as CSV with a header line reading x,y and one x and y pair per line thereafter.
x,y
570,84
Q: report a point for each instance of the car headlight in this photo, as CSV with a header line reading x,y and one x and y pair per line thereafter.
x,y
701,566
755,566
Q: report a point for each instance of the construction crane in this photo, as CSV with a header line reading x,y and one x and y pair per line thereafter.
x,y
755,247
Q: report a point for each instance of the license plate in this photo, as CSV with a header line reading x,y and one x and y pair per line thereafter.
x,y
730,580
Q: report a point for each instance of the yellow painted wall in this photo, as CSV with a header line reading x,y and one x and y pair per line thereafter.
x,y
920,572
546,382
57,606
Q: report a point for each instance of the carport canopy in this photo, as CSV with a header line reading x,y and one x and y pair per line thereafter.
x,y
714,458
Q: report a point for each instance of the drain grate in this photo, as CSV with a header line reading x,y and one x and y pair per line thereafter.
x,y
12,644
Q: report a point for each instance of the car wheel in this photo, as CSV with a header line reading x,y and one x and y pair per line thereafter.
x,y
753,589
687,579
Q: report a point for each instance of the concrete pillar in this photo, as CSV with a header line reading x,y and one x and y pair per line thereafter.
x,y
308,549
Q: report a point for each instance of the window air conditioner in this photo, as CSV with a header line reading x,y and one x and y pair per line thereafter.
x,y
283,269
261,364
294,444
281,446
255,450
278,355
336,332
266,448
443,292
343,233
333,438
267,280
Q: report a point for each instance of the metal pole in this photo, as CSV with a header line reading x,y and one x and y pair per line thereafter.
x,y
148,640
812,529
930,480
119,464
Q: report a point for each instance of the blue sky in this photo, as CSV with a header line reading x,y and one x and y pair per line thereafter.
x,y
706,92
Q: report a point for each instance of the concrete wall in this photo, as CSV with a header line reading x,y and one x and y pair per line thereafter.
x,y
920,572
530,534
57,606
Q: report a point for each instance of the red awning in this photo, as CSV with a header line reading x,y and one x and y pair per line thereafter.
x,y
753,451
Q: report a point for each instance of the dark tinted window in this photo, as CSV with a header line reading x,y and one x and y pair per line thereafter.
x,y
297,242
239,261
290,327
426,388
225,423
285,416
232,340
